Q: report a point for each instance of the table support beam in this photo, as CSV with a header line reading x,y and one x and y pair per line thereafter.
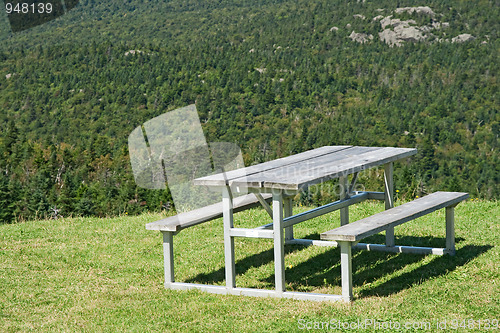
x,y
252,233
353,183
264,204
304,296
279,242
374,195
315,212
312,242
227,213
402,249
288,211
344,189
389,199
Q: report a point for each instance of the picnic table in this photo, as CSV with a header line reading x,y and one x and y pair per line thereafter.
x,y
281,180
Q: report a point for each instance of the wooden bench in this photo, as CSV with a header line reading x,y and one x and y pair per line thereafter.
x,y
174,224
349,235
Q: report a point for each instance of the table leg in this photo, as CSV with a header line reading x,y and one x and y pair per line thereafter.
x,y
344,189
450,230
279,242
168,257
288,211
389,199
227,211
346,269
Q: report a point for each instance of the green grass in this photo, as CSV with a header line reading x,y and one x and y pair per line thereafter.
x,y
89,274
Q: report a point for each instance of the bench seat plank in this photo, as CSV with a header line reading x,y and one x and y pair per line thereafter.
x,y
188,219
374,224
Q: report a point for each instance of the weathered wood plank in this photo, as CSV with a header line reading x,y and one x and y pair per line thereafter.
x,y
345,167
184,220
315,163
331,166
289,175
222,179
390,218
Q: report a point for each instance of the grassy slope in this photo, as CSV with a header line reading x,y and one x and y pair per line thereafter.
x,y
88,274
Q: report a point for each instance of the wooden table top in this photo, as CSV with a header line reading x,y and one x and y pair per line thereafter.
x,y
307,168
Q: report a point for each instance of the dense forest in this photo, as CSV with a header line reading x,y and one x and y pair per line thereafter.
x,y
275,77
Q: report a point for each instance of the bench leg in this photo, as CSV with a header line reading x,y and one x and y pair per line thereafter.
x,y
346,268
288,211
168,257
344,189
227,212
389,199
279,242
450,230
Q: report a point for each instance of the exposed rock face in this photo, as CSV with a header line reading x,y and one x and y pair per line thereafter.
x,y
386,21
439,25
400,35
133,52
463,38
389,37
360,37
334,29
418,10
402,32
395,32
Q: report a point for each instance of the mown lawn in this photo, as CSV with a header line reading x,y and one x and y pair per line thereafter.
x,y
89,274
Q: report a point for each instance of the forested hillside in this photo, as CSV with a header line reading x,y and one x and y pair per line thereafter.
x,y
276,77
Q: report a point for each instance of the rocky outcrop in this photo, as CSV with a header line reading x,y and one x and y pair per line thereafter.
x,y
419,10
395,31
386,21
398,36
133,52
439,25
360,37
463,38
402,31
